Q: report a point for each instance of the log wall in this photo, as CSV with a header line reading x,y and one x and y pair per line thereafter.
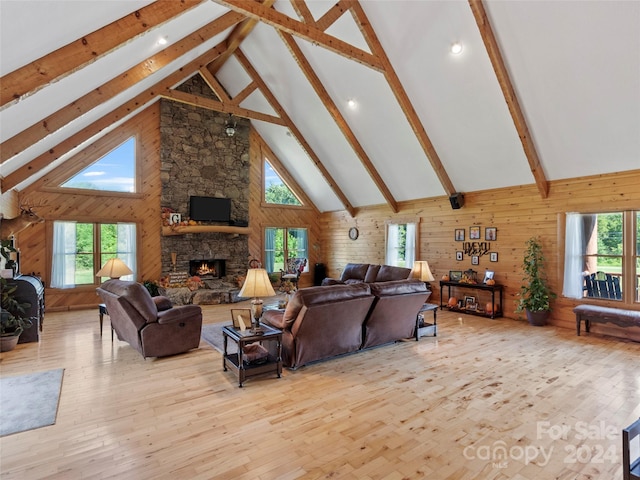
x,y
517,213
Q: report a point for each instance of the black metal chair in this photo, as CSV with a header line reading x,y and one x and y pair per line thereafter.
x,y
631,443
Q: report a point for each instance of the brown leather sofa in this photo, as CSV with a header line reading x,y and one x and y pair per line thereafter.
x,y
368,273
149,324
326,321
394,311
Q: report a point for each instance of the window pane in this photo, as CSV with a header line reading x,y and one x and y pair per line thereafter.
x,y
275,190
274,249
637,235
84,254
297,244
114,172
603,260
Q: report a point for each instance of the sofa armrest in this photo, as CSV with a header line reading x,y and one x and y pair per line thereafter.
x,y
162,303
275,318
180,314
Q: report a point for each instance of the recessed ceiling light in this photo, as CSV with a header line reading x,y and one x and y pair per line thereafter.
x,y
351,103
456,48
162,41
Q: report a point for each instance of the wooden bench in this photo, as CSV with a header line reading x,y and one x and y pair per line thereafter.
x,y
595,313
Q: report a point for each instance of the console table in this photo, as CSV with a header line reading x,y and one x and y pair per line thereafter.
x,y
474,286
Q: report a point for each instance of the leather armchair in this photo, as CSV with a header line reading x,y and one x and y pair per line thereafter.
x,y
149,324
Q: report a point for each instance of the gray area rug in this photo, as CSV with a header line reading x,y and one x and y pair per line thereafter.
x,y
212,334
29,401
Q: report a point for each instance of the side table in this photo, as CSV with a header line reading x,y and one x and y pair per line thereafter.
x,y
235,361
422,327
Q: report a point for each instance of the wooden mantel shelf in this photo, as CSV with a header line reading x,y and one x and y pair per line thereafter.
x,y
167,231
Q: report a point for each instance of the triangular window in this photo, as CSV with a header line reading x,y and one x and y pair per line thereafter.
x,y
275,190
115,172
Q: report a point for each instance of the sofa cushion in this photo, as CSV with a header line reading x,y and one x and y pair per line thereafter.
x,y
372,273
398,287
388,273
315,295
355,271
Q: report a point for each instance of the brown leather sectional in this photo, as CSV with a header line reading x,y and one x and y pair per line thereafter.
x,y
327,321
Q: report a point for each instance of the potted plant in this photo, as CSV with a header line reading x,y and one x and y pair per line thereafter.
x,y
535,294
12,316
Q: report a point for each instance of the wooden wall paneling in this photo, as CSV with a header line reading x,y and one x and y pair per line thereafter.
x,y
517,212
66,204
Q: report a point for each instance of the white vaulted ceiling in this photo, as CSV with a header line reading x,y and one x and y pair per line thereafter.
x,y
574,67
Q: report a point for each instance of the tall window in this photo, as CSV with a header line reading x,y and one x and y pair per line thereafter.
x,y
400,248
602,256
281,244
80,250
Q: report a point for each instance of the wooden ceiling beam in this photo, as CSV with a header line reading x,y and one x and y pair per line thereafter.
x,y
333,110
273,101
244,93
510,96
331,15
139,101
235,38
402,97
113,87
310,33
214,84
210,104
300,6
58,64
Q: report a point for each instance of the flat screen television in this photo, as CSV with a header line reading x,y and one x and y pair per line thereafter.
x,y
210,209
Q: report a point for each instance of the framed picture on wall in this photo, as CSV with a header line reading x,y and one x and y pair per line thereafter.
x,y
474,233
459,256
493,256
459,235
475,260
490,234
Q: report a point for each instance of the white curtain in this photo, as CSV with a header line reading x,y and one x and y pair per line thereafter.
x,y
573,261
410,247
126,248
391,255
63,268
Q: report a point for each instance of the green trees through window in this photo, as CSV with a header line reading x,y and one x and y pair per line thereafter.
x,y
275,190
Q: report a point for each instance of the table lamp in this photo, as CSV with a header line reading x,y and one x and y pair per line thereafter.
x,y
422,271
114,268
256,285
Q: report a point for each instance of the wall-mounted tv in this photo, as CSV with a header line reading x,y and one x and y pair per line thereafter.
x,y
210,209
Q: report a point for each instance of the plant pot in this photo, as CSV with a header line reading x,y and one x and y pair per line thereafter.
x,y
8,342
539,318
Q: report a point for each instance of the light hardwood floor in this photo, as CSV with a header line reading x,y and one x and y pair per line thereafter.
x,y
440,408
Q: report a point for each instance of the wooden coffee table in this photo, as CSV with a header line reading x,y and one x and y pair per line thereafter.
x,y
235,361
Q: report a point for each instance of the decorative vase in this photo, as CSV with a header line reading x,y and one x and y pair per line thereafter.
x,y
539,318
8,342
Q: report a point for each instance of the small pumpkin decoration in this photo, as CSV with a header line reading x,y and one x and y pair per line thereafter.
x,y
453,302
445,278
491,308
491,281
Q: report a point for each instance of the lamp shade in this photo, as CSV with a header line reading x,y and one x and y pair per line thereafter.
x,y
114,268
257,284
422,271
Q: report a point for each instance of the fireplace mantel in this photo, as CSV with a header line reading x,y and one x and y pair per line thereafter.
x,y
183,230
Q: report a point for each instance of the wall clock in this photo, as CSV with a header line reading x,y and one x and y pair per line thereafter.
x,y
353,233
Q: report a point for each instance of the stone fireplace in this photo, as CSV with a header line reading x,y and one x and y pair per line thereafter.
x,y
199,159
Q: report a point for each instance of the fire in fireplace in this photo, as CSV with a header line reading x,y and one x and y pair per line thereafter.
x,y
207,268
